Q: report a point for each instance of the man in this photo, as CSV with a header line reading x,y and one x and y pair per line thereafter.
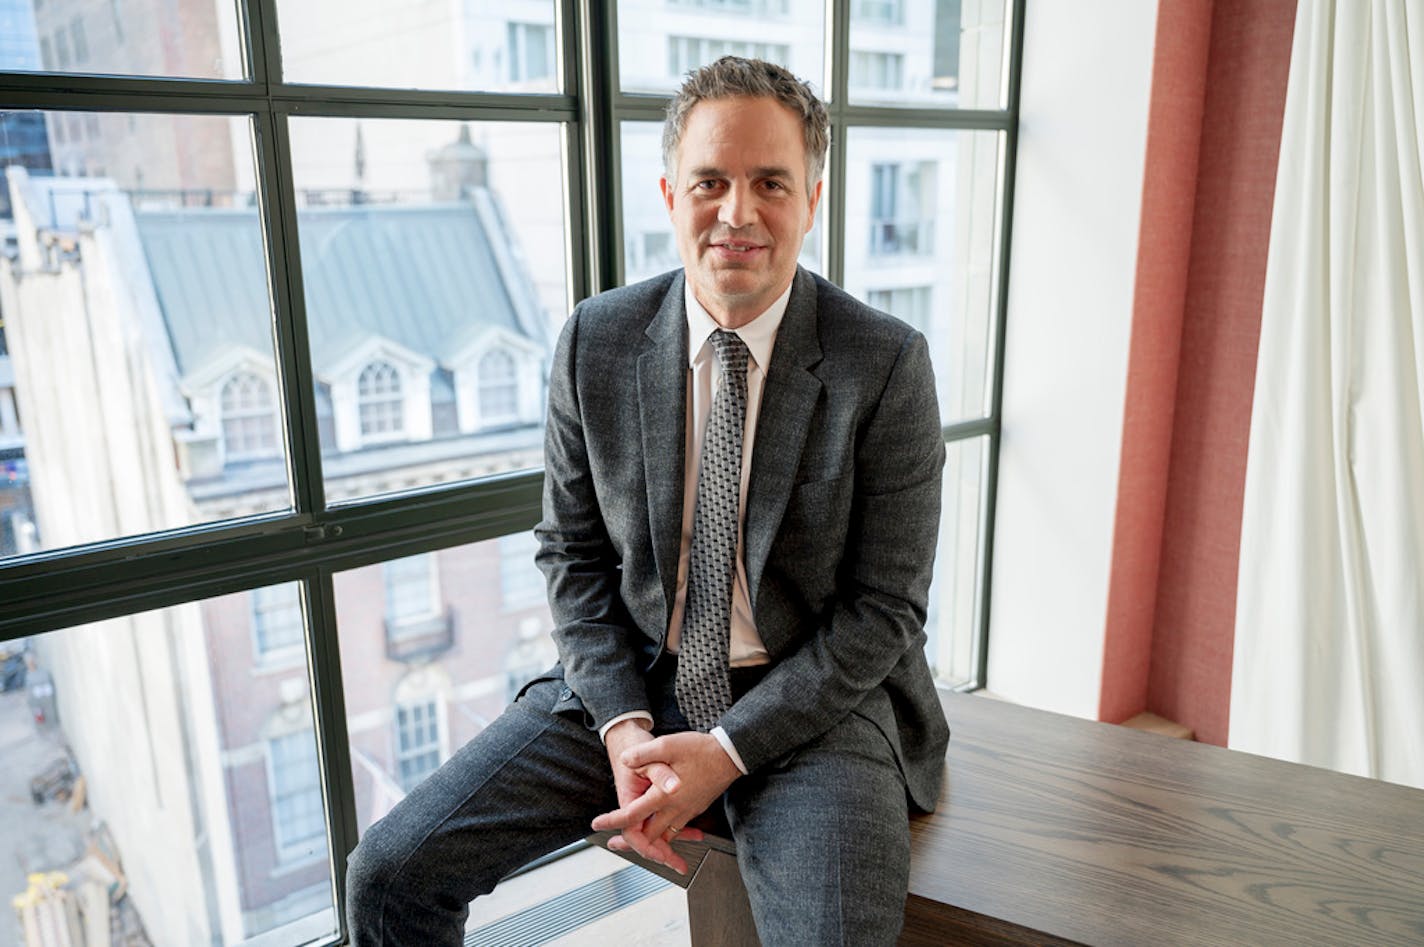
x,y
740,511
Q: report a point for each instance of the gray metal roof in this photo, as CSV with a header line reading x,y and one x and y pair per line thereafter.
x,y
424,276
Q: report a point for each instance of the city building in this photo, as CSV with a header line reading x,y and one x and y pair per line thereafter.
x,y
430,366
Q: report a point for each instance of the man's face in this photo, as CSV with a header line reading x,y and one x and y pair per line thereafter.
x,y
740,204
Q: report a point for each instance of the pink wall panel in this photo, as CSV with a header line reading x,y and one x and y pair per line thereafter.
x,y
1219,82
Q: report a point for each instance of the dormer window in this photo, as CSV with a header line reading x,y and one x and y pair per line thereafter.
x,y
498,388
249,419
378,396
496,381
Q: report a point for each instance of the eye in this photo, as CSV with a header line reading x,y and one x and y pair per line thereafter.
x,y
706,185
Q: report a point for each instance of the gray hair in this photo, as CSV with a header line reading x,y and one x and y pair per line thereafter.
x,y
734,77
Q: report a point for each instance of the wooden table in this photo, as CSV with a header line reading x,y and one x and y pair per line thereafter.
x,y
1053,829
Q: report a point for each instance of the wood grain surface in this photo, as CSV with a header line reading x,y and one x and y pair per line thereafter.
x,y
1053,829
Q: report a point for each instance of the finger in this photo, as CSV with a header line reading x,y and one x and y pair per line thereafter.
x,y
689,834
654,849
642,754
634,813
660,775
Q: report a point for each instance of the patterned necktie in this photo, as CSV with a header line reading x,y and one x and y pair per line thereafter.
x,y
703,689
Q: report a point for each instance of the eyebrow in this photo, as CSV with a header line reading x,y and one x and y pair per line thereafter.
x,y
767,171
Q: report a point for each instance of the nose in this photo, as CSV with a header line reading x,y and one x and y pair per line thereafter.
x,y
738,207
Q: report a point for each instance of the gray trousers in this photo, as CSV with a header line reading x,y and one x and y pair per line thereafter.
x,y
822,834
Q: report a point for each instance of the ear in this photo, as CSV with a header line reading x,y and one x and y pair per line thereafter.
x,y
667,192
811,207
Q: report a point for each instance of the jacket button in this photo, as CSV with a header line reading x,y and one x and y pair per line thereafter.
x,y
565,694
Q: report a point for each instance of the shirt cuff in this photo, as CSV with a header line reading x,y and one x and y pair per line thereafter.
x,y
726,742
630,715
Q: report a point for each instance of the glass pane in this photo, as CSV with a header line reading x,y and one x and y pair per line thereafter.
x,y
138,382
931,53
434,265
953,625
920,243
122,37
649,245
661,41
418,691
166,749
472,45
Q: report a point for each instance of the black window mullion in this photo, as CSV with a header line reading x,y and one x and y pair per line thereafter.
x,y
361,100
333,739
277,199
56,593
90,93
834,191
1006,217
598,116
257,24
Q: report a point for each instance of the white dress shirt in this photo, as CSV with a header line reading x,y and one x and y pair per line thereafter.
x,y
704,377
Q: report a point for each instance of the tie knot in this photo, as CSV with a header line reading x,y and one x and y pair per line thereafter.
x,y
732,352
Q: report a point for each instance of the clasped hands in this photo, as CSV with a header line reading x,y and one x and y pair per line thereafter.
x,y
662,782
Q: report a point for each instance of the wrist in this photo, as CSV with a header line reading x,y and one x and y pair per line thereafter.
x,y
626,732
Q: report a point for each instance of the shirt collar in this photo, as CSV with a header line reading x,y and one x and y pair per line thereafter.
x,y
759,334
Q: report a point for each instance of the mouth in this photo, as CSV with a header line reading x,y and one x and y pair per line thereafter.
x,y
735,248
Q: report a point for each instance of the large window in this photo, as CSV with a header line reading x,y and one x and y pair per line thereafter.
x,y
279,288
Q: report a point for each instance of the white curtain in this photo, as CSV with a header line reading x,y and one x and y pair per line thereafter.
x,y
1329,654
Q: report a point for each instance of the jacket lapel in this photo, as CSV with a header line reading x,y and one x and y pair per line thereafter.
x,y
787,403
662,393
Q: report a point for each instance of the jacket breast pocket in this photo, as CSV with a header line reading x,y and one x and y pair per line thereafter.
x,y
819,504
811,541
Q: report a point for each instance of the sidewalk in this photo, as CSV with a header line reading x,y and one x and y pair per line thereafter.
x,y
32,838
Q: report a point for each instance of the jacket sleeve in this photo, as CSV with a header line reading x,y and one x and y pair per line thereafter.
x,y
879,608
594,634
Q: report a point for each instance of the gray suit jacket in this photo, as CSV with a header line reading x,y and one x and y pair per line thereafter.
x,y
841,521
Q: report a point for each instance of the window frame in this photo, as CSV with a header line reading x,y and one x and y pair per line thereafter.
x,y
55,589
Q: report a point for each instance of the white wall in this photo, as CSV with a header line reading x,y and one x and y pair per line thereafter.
x,y
1082,133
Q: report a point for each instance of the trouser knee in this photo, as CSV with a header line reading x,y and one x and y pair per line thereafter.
x,y
372,871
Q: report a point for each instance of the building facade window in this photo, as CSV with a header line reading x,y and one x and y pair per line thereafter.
x,y
61,48
748,7
910,303
298,822
899,194
417,739
889,12
379,402
249,419
531,51
412,590
686,53
81,44
877,71
498,388
276,621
